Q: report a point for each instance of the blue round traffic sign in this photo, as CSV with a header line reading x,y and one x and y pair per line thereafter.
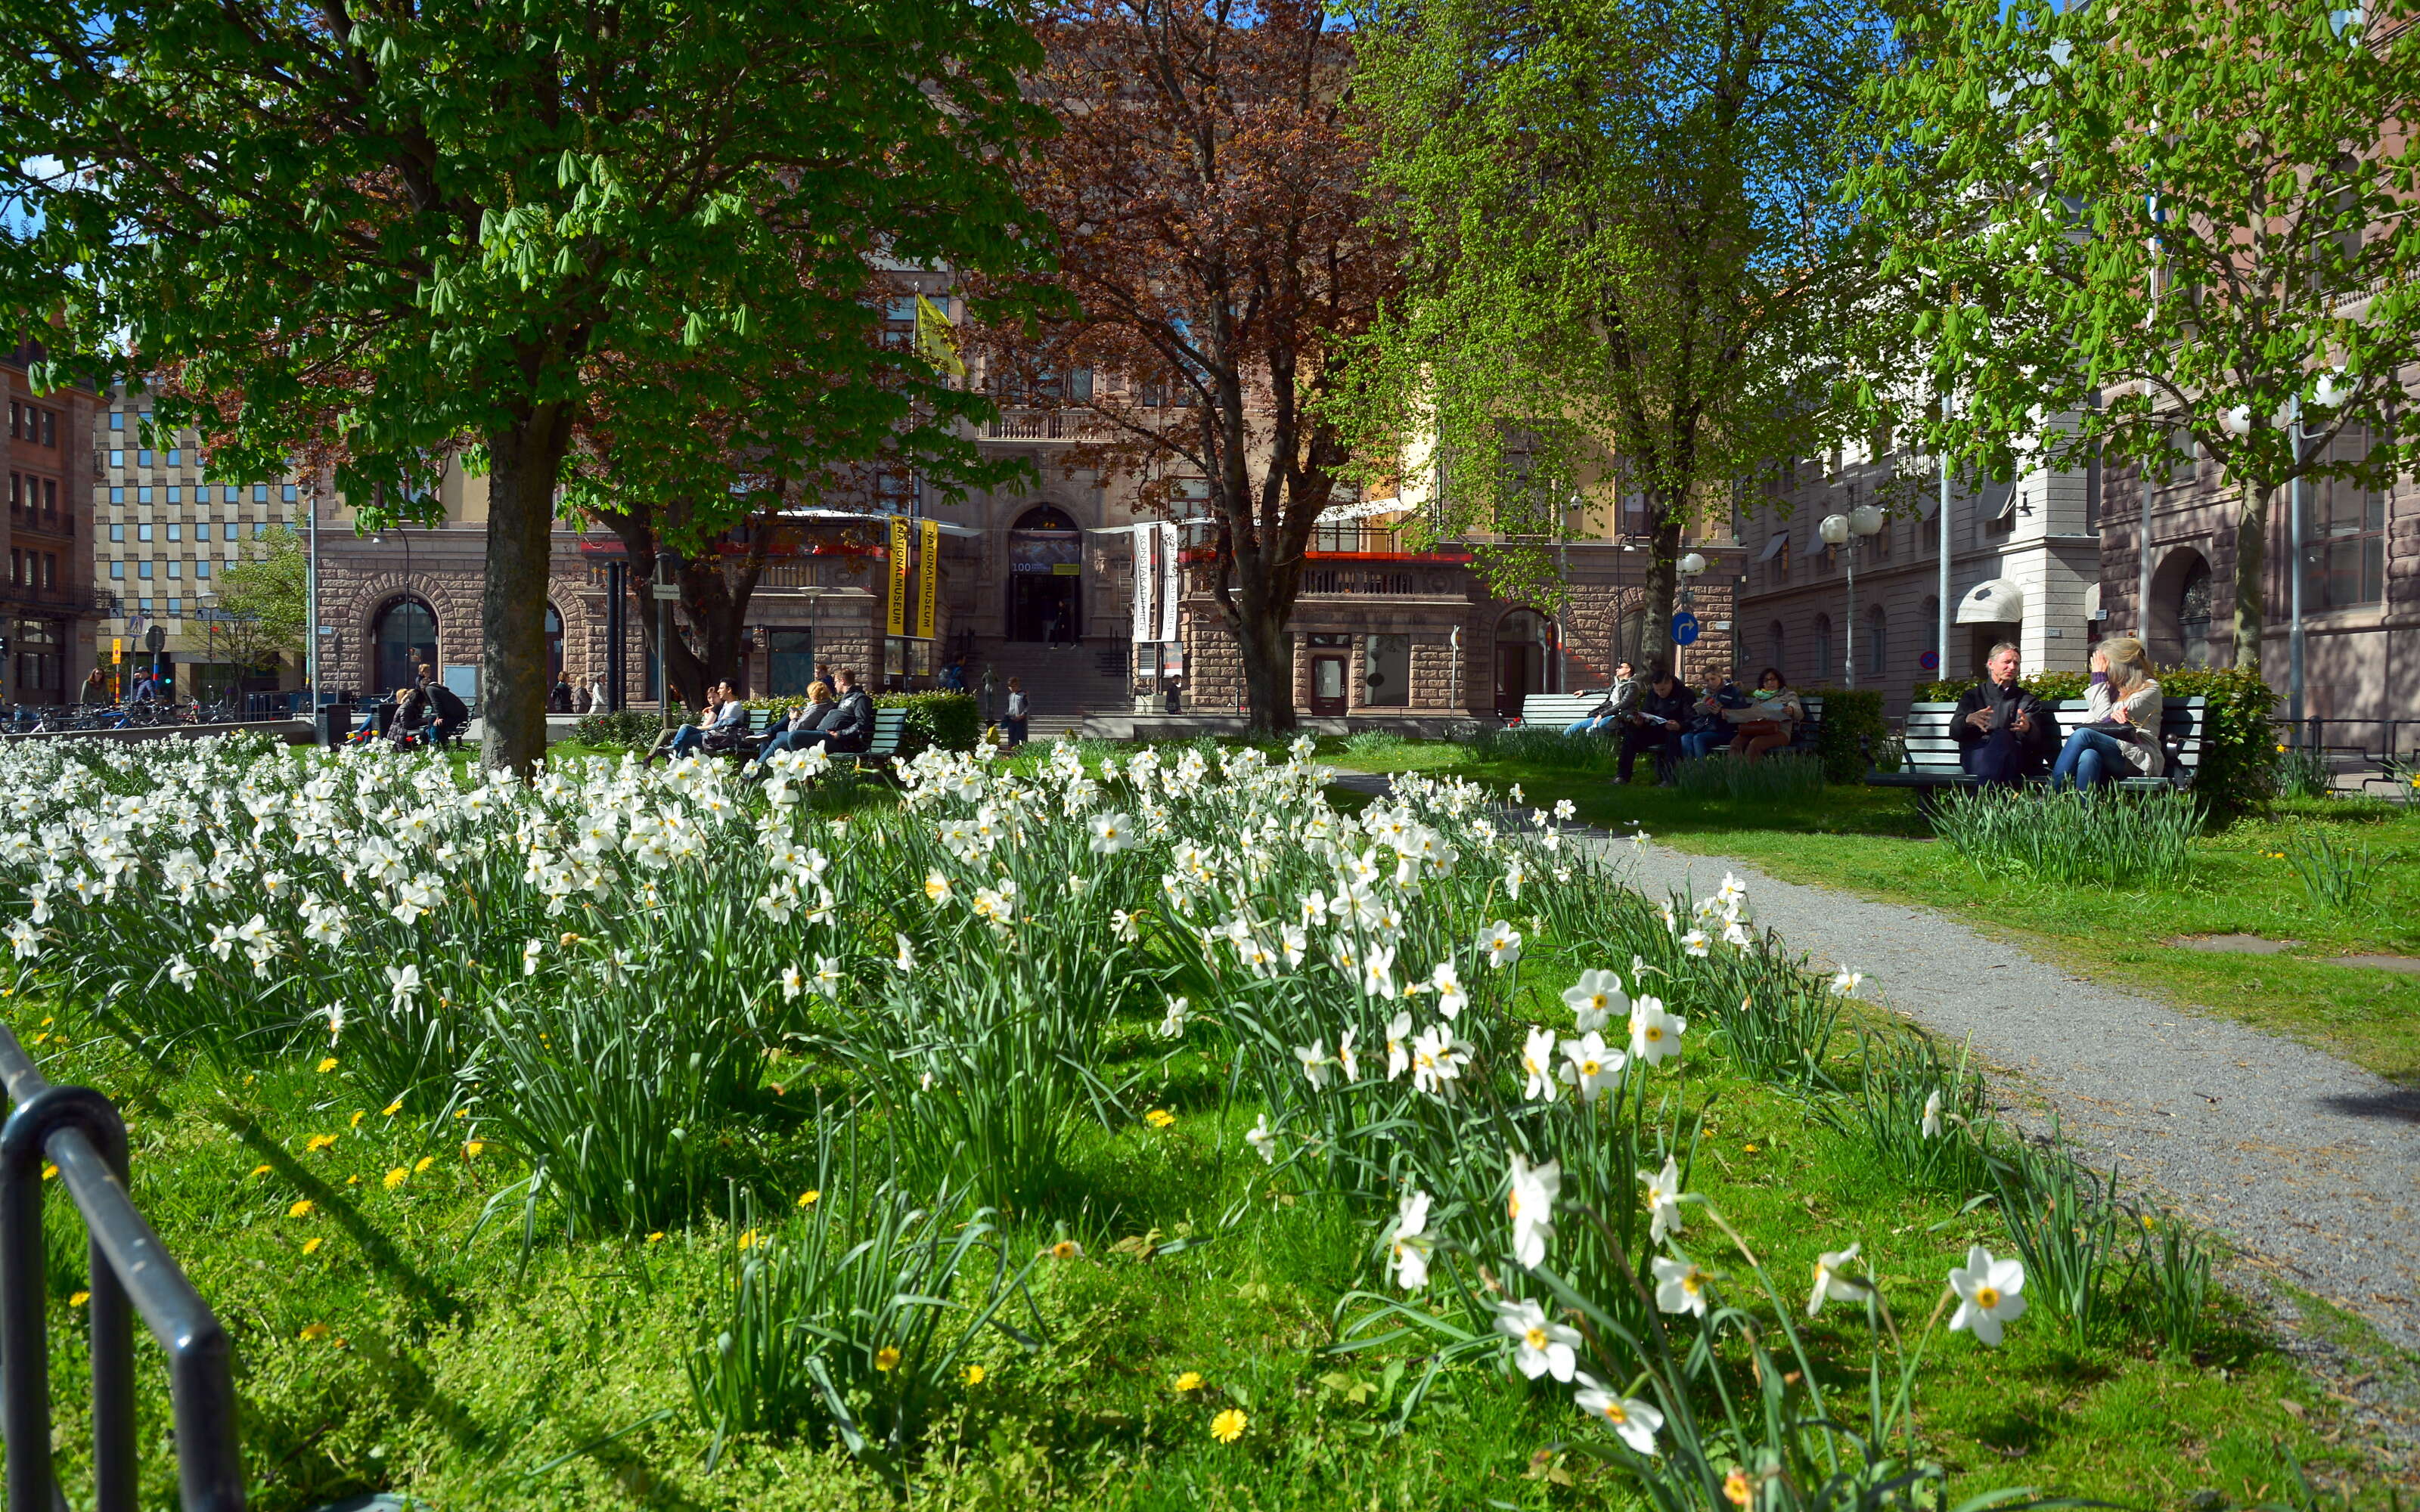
x,y
1929,662
1685,628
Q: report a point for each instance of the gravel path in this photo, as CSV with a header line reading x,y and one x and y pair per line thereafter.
x,y
2309,1165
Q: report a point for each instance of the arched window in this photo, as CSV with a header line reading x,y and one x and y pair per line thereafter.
x,y
1823,648
1523,659
553,644
2193,613
1775,644
403,638
1876,634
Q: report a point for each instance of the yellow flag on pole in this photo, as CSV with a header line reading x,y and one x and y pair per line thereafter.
x,y
897,618
936,340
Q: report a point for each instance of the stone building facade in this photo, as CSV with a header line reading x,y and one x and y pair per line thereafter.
x,y
49,612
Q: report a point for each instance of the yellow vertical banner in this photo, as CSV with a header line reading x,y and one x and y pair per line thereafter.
x,y
928,568
898,575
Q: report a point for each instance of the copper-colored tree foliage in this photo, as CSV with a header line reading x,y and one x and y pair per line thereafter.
x,y
1214,235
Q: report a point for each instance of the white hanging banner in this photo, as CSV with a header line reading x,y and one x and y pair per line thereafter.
x,y
1170,580
1146,583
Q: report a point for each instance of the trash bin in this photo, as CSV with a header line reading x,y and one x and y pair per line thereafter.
x,y
335,723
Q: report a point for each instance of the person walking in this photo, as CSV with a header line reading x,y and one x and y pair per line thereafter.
x,y
95,690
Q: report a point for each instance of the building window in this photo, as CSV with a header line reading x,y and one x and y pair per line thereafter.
x,y
118,571
143,456
1823,648
202,567
175,457
2345,544
176,496
117,457
175,606
1877,638
176,530
1387,671
143,605
143,570
176,569
143,531
117,533
259,528
287,493
117,419
201,530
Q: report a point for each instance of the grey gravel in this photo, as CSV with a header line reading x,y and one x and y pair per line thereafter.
x,y
2310,1166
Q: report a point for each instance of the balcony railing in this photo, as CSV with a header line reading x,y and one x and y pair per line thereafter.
x,y
1358,581
1038,425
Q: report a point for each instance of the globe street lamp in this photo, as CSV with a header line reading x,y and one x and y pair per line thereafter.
x,y
1690,566
1843,531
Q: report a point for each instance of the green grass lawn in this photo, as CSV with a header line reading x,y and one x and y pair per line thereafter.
x,y
1872,842
385,1339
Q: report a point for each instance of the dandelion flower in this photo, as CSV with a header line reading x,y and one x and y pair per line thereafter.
x,y
750,1240
300,1209
258,1170
327,1063
396,1177
1736,1489
472,1149
1160,1118
423,1163
972,1375
1189,1380
810,1197
311,1245
319,1142
1229,1426
391,1108
886,1358
358,1113
656,1237
313,1332
79,1298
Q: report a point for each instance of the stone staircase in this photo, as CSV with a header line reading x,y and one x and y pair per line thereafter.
x,y
1062,684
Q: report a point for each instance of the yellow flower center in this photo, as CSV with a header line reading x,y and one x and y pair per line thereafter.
x,y
1588,1068
1535,1338
1613,1412
1987,1298
1654,1031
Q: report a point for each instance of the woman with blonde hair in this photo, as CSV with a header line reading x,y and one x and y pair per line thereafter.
x,y
2121,737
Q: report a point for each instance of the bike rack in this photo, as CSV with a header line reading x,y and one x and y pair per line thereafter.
x,y
81,1133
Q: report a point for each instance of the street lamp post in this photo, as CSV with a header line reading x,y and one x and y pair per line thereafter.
x,y
668,565
1690,567
1844,531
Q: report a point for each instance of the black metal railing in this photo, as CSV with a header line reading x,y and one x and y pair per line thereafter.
x,y
81,1133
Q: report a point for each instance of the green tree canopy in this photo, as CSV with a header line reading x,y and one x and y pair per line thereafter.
x,y
2168,218
402,229
1627,250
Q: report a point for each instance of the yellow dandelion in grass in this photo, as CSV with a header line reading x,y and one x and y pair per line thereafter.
x,y
886,1358
396,1177
313,1332
352,1180
393,1108
810,1197
656,1238
423,1163
1229,1426
972,1375
748,1239
311,1245
327,1064
1749,1147
1735,1486
79,1298
358,1113
260,1170
319,1142
472,1148
1160,1118
1189,1380
49,1171
461,1113
301,1209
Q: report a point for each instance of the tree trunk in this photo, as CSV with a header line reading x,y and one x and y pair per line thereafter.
x,y
1663,590
524,458
1268,665
2251,589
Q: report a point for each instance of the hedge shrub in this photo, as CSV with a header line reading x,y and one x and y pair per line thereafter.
x,y
1853,717
2239,753
950,720
633,728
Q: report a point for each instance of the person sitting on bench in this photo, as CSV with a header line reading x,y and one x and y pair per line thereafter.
x,y
849,727
723,712
2121,737
1770,720
1710,731
1663,712
1609,718
2004,732
792,735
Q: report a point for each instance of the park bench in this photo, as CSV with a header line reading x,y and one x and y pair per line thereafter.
x,y
1932,752
1557,711
889,726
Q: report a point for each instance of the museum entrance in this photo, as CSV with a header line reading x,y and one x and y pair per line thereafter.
x,y
1045,578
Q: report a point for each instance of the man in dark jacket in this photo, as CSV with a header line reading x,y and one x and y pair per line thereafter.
x,y
2005,733
1663,713
452,714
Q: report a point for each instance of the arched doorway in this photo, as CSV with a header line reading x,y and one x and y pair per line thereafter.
x,y
402,637
554,644
2182,611
1045,577
1524,641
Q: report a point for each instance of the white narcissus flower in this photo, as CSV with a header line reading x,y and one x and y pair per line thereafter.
x,y
1451,999
905,959
1830,1285
1847,982
1541,1347
1503,943
1314,1063
1530,1205
1171,1023
1263,1139
1933,1115
1634,1420
1663,1200
792,982
1345,1060
1378,973
1592,1069
1595,1000
937,887
1122,924
1399,1046
1654,1035
1696,942
1733,892
1987,1294
1565,809
1111,833
402,982
336,1012
183,972
1680,1286
1671,921
531,951
1408,1250
1538,1066
827,975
